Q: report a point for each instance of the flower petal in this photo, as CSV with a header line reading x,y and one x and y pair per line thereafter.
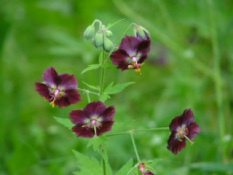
x,y
119,58
73,96
62,102
108,114
129,44
81,131
175,145
106,126
193,129
43,90
174,124
142,59
51,77
144,47
77,117
186,118
94,108
68,81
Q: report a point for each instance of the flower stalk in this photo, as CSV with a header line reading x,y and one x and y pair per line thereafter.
x,y
134,145
102,74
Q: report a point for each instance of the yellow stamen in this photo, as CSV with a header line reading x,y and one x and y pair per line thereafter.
x,y
138,71
83,126
52,104
44,98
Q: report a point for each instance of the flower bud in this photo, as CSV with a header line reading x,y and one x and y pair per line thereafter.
x,y
89,32
108,45
108,33
141,32
98,39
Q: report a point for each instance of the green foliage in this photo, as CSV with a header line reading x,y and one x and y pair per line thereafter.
x,y
117,88
91,67
91,86
125,168
99,145
88,166
65,122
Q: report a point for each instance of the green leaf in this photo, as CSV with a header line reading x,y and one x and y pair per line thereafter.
x,y
65,122
100,58
125,168
91,67
88,165
111,25
97,88
110,89
104,97
99,145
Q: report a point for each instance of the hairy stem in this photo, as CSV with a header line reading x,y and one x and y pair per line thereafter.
x,y
90,92
134,146
102,74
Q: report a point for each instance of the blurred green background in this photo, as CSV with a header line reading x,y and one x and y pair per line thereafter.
x,y
190,66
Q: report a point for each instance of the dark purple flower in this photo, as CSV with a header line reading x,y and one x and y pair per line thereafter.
x,y
58,89
131,53
95,116
182,128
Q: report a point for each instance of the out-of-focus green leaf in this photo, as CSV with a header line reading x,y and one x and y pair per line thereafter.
x,y
99,145
91,86
125,168
110,89
65,122
212,166
104,97
88,165
91,67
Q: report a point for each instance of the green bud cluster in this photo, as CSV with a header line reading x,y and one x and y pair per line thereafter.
x,y
101,37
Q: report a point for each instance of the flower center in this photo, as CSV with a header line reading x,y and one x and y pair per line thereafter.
x,y
55,94
181,132
93,121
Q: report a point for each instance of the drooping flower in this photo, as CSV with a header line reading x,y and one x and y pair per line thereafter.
x,y
95,117
182,128
143,170
131,53
141,32
58,89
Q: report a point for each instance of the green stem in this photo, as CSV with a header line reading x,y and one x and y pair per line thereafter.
x,y
95,130
90,92
88,97
104,167
217,76
134,146
102,74
139,130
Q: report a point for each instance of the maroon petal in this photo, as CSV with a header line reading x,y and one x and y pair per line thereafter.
x,y
62,102
94,108
148,173
119,56
68,81
143,47
73,96
83,131
51,77
106,126
129,44
43,90
193,129
108,114
174,124
77,117
142,59
186,118
175,145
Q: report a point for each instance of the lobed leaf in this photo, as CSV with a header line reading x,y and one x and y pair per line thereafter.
x,y
114,89
125,168
91,67
65,122
97,88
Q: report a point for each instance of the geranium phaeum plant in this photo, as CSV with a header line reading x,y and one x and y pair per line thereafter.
x,y
182,128
131,53
58,89
94,119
